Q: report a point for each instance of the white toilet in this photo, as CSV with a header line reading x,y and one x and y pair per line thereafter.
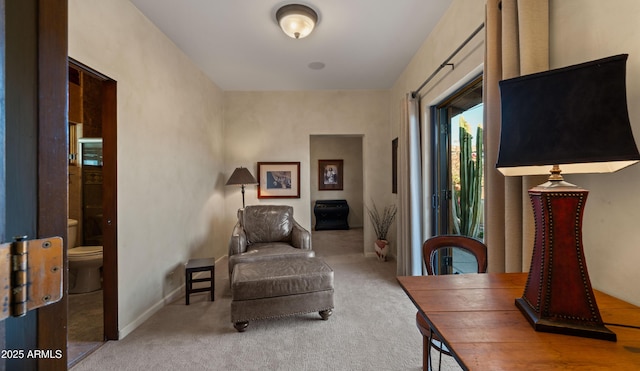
x,y
84,263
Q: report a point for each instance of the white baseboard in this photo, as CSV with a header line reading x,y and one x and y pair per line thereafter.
x,y
169,298
374,255
150,312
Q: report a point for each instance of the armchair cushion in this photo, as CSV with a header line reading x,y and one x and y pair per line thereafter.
x,y
267,223
268,252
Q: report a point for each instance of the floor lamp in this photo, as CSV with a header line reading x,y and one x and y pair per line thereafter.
x,y
241,176
574,120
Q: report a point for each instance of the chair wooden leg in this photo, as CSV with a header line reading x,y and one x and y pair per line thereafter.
x,y
425,353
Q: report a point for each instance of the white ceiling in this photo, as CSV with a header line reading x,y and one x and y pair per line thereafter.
x,y
364,44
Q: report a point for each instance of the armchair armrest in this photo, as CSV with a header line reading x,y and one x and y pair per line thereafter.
x,y
300,237
238,240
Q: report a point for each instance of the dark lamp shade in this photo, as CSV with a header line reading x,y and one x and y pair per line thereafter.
x,y
575,117
241,176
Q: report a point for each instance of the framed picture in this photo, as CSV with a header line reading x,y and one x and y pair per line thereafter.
x,y
330,176
278,180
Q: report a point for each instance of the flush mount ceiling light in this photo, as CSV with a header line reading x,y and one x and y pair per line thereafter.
x,y
296,20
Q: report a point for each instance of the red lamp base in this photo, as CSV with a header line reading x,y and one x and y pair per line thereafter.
x,y
587,330
558,296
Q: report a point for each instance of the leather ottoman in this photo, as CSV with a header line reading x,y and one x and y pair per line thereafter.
x,y
278,288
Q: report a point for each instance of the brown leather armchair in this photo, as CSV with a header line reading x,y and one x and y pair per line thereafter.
x,y
273,272
267,232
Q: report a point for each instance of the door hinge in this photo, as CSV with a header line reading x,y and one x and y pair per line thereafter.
x,y
30,275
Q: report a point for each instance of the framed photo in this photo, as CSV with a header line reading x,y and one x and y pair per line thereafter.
x,y
278,180
330,175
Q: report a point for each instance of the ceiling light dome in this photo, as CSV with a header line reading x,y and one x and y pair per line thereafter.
x,y
296,20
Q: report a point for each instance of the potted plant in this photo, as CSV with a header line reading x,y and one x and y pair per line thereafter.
x,y
381,224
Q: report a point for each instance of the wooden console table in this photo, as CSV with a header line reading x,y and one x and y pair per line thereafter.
x,y
476,316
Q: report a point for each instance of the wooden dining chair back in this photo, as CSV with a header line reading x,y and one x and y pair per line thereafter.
x,y
430,250
434,245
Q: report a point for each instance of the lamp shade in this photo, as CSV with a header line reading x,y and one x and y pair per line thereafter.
x,y
296,20
575,117
241,176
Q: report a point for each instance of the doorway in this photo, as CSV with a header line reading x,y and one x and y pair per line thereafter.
x,y
92,191
348,150
458,169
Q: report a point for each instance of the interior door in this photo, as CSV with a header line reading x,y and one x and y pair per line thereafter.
x,y
33,143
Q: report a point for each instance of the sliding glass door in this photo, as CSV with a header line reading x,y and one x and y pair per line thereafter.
x,y
458,198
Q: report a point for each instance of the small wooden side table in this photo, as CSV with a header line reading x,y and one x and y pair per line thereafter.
x,y
199,265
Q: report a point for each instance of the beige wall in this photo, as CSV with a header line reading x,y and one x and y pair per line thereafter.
x,y
348,149
170,159
276,126
583,30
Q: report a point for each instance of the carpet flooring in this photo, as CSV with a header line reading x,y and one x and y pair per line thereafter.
x,y
372,326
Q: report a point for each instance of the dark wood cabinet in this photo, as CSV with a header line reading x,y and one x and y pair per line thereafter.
x,y
331,214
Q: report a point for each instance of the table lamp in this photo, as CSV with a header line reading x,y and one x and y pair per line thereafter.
x,y
574,120
241,176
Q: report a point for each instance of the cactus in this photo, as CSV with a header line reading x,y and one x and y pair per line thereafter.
x,y
467,204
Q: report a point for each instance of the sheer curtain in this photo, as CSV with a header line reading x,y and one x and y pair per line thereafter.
x,y
517,43
409,191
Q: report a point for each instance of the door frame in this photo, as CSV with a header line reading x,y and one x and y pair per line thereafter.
x,y
441,152
51,17
109,199
52,161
